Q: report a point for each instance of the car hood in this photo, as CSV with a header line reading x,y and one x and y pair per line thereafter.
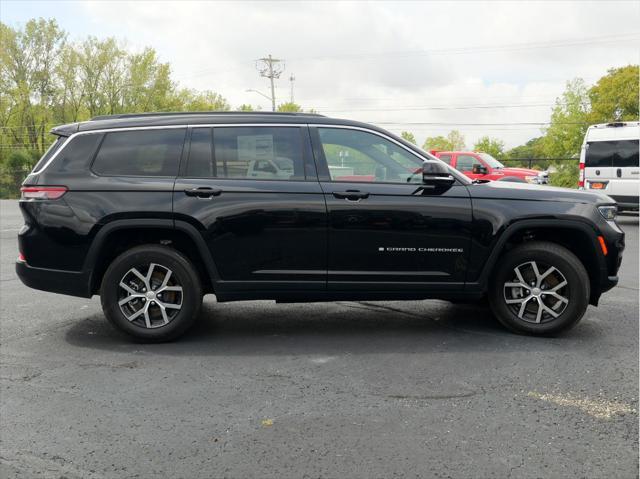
x,y
526,191
518,171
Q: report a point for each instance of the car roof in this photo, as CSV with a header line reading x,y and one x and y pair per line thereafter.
x,y
141,120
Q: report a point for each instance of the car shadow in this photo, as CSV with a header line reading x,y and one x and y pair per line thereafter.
x,y
264,328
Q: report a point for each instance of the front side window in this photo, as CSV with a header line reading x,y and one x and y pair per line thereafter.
x,y
261,153
359,156
140,153
465,163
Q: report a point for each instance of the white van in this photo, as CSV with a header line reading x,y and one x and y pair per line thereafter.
x,y
609,162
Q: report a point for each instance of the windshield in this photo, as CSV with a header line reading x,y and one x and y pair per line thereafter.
x,y
490,160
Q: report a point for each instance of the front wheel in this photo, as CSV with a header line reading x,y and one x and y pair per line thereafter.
x,y
539,288
152,293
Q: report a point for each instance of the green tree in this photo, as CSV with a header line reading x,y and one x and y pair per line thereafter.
x,y
437,143
245,107
615,96
457,140
492,146
565,133
289,107
407,135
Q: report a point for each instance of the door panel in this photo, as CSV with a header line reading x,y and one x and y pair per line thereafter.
x,y
397,237
263,234
386,231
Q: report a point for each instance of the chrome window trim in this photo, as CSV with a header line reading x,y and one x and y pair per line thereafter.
x,y
227,125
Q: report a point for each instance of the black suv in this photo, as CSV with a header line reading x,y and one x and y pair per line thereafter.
x,y
153,211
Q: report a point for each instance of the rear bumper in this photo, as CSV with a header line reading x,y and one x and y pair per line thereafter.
x,y
626,202
54,281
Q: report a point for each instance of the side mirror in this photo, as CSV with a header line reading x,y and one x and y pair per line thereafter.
x,y
437,174
479,169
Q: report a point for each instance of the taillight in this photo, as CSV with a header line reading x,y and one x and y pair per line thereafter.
x,y
21,258
42,192
581,178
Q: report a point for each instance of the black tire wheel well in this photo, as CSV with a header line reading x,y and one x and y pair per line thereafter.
x,y
121,240
575,240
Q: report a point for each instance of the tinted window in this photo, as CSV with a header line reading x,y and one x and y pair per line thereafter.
x,y
354,155
50,152
140,153
618,153
466,162
446,159
75,157
266,153
200,163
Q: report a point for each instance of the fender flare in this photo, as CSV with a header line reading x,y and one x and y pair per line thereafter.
x,y
590,230
117,225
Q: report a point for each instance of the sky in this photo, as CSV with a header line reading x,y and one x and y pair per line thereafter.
x,y
484,68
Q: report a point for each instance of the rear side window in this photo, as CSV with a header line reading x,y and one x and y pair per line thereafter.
x,y
261,153
140,153
619,154
55,146
76,155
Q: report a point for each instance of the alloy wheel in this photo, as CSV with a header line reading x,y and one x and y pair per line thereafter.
x,y
150,295
535,296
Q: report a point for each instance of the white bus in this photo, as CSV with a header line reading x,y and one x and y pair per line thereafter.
x,y
609,162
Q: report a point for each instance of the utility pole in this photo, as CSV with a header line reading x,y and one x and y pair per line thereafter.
x,y
269,68
292,79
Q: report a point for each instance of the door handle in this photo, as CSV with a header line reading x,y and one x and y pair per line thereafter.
x,y
202,192
619,172
351,195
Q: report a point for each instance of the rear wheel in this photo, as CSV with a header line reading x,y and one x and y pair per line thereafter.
x,y
152,293
539,288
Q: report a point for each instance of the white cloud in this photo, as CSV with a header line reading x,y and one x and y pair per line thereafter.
x,y
338,53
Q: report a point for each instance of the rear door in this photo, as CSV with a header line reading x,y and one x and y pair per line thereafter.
x,y
598,165
253,193
386,231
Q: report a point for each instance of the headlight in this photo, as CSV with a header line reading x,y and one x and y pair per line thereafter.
x,y
609,213
531,179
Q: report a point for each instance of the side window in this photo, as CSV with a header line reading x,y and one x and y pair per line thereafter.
x,y
140,153
619,154
466,162
359,156
76,156
446,159
263,152
200,163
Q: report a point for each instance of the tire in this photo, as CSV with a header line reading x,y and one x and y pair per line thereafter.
x,y
180,293
548,291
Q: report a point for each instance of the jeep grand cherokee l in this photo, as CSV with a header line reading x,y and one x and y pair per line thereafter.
x,y
153,211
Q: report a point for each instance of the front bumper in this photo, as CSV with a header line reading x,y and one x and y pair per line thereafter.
x,y
73,283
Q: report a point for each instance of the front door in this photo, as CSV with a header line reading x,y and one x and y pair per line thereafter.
x,y
253,194
387,232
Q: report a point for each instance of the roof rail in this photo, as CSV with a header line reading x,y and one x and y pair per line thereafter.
x,y
185,113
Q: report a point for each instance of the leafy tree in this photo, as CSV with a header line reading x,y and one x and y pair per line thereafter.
x,y
407,135
452,142
245,107
564,136
289,107
457,140
615,96
492,146
437,143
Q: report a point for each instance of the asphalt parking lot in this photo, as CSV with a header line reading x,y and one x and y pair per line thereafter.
x,y
348,389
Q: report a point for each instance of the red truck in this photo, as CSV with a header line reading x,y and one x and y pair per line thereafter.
x,y
482,166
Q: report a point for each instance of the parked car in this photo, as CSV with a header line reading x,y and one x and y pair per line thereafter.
x,y
483,166
609,162
153,211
